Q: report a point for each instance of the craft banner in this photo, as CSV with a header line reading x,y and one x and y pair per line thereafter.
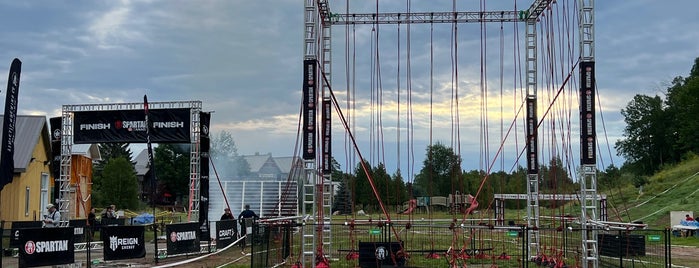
x,y
226,233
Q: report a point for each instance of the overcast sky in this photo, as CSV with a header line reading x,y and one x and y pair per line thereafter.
x,y
243,60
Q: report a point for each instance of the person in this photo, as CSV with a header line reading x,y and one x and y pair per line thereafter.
x,y
227,215
246,215
92,222
114,211
688,218
53,217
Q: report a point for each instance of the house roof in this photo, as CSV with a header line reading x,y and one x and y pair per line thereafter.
x,y
29,128
91,151
286,163
256,161
141,165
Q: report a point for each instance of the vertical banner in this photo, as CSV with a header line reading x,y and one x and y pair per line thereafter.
x,y
309,109
182,238
46,247
327,142
123,242
588,136
9,121
204,145
532,139
226,233
56,133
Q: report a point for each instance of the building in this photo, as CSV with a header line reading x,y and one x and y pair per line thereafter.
x,y
25,198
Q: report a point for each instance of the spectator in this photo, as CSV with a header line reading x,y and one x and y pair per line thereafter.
x,y
227,215
688,218
53,217
92,222
246,217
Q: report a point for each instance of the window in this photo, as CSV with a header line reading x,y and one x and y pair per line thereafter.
x,y
44,195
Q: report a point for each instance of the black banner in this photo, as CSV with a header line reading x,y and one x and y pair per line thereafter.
x,y
16,226
123,242
226,233
9,121
532,138
327,135
205,120
310,95
46,246
56,125
79,228
377,254
588,136
182,238
166,126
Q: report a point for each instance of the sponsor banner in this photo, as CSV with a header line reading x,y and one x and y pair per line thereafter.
x,y
166,126
327,135
56,132
226,233
588,134
9,122
46,246
532,138
123,242
16,234
79,230
205,119
182,238
310,96
378,254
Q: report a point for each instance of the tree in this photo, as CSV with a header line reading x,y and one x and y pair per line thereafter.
x,y
645,134
441,168
108,151
342,202
682,108
172,168
119,184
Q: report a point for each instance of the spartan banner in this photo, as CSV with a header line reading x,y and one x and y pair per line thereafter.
x,y
123,242
204,144
309,109
532,138
327,135
129,126
46,246
9,122
588,136
182,238
56,125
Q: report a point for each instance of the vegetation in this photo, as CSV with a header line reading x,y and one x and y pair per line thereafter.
x,y
172,169
119,185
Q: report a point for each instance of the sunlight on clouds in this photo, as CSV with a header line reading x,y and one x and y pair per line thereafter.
x,y
109,30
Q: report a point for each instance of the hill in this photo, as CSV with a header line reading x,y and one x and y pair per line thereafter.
x,y
673,188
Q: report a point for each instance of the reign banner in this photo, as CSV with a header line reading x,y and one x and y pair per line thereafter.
x,y
167,126
123,242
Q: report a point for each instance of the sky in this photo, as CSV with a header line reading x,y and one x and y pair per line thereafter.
x,y
243,60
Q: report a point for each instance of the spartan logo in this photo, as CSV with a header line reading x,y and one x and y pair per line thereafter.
x,y
205,130
57,134
381,253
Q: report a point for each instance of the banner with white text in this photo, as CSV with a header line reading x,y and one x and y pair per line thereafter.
x,y
129,126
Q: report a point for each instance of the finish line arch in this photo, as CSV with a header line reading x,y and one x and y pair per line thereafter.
x,y
175,121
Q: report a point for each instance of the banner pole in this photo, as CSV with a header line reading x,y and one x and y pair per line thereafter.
x,y
153,178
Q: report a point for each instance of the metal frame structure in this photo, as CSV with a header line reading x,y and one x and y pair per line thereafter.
x,y
317,16
67,144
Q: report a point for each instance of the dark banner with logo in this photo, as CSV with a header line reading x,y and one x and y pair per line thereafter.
x,y
16,234
310,95
205,120
123,242
182,238
46,246
588,134
56,125
9,122
79,228
327,135
532,138
226,233
377,254
167,126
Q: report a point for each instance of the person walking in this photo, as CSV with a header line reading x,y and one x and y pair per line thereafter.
x,y
246,219
53,217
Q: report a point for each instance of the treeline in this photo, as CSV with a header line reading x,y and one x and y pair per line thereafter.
x,y
441,175
661,130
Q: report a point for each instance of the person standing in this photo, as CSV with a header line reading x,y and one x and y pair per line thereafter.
x,y
227,215
246,218
92,222
53,217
